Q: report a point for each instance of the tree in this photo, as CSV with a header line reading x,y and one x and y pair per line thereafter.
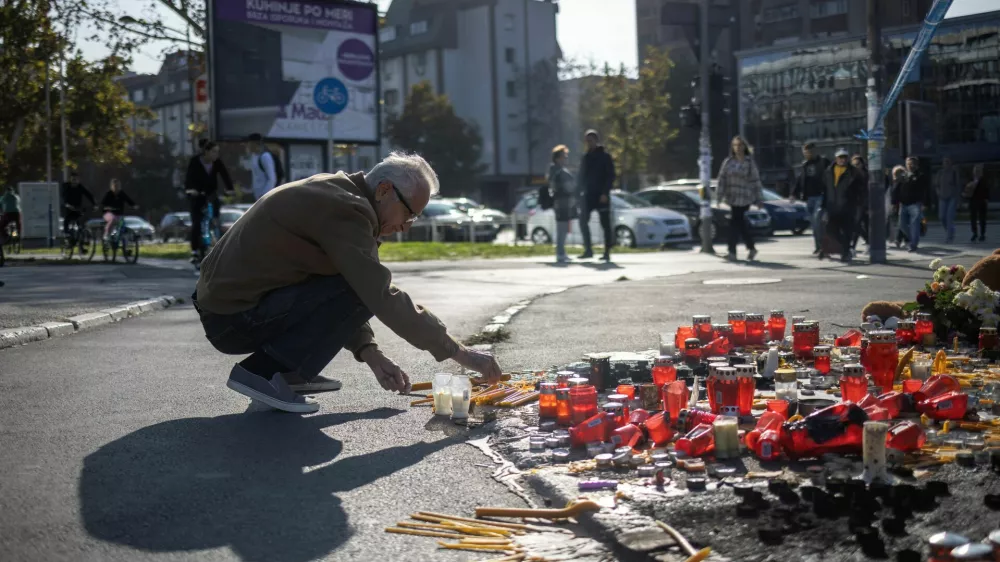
x,y
147,173
663,86
97,111
429,127
542,117
621,122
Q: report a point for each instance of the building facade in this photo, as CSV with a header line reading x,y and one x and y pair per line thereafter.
x,y
486,56
815,91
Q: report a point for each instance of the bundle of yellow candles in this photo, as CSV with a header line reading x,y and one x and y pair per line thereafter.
x,y
476,535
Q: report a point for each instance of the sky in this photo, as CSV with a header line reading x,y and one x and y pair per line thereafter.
x,y
587,30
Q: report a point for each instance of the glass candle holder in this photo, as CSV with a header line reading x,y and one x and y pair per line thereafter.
x,y
755,330
702,324
821,357
664,371
692,351
564,414
924,325
441,390
883,356
920,370
726,436
461,394
747,385
675,398
725,388
689,418
906,333
805,336
786,386
776,325
583,402
547,403
562,378
988,339
626,387
738,320
683,334
615,411
624,401
722,331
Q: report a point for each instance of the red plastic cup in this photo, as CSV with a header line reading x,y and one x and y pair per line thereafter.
x,y
778,406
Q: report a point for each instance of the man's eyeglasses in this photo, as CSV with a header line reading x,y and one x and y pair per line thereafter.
x,y
399,195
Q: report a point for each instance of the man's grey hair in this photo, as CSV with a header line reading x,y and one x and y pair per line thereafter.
x,y
408,172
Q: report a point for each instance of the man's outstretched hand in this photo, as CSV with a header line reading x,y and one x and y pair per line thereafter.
x,y
480,362
387,372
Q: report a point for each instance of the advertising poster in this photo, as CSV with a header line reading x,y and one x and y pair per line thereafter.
x,y
37,198
268,56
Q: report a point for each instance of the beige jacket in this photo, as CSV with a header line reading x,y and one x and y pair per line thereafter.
x,y
323,225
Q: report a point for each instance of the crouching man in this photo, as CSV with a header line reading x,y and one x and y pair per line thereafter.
x,y
298,277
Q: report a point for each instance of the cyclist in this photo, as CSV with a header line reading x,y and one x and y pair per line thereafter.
x,y
73,194
113,203
10,211
201,184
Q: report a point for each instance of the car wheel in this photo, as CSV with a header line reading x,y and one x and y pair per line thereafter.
x,y
799,231
624,237
541,236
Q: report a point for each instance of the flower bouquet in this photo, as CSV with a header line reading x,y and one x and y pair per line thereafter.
x,y
954,309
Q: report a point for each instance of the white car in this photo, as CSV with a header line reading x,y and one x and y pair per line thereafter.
x,y
635,223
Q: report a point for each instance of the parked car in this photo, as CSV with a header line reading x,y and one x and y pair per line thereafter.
x,y
175,226
480,213
452,224
139,225
635,222
792,216
683,196
228,216
523,210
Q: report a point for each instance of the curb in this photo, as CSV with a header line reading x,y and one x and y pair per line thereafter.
x,y
500,320
65,326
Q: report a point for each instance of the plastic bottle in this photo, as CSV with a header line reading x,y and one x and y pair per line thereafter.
x,y
697,442
853,384
582,402
461,393
906,436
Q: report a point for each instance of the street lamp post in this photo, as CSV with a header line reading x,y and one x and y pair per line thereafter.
x,y
705,144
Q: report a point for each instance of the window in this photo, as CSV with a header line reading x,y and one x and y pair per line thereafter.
x,y
391,97
824,8
508,54
137,95
508,22
511,89
387,34
418,27
420,63
512,155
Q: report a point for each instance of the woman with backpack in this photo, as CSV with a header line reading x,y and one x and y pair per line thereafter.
x,y
560,197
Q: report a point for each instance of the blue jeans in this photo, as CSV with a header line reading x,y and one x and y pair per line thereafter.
x,y
909,222
946,213
301,326
813,206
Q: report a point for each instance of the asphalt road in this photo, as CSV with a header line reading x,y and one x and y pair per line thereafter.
x,y
123,443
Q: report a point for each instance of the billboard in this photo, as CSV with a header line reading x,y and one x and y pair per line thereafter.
x,y
269,55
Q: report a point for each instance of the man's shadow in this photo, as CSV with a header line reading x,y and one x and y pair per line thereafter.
x,y
247,481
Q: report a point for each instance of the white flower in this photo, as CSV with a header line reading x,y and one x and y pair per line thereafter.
x,y
936,263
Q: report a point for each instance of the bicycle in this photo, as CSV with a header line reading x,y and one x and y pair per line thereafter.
x,y
78,239
327,94
211,230
12,239
120,236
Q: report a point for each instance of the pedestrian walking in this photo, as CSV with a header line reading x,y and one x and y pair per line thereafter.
x,y
844,183
201,185
740,187
262,166
862,223
977,192
912,193
896,178
73,194
948,187
809,186
298,277
10,212
560,186
595,179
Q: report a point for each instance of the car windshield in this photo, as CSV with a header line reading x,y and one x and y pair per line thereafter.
x,y
771,196
135,222
439,208
692,194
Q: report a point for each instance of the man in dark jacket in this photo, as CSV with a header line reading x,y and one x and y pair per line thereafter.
x,y
595,178
843,191
73,194
810,186
201,184
913,193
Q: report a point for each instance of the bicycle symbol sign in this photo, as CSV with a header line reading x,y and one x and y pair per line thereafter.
x,y
330,96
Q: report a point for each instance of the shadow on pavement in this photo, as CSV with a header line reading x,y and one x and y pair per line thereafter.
x,y
601,266
237,480
768,265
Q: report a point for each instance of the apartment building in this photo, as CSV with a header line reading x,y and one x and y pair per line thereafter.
x,y
480,53
168,94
